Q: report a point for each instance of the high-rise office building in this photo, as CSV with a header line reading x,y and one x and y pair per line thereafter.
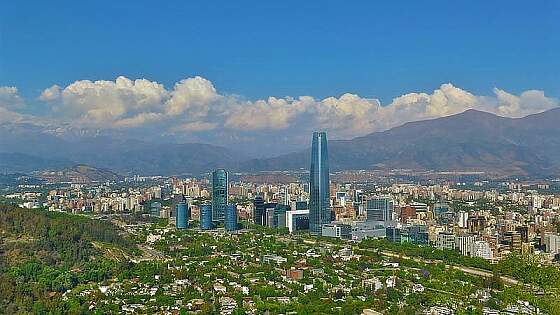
x,y
268,215
230,217
393,234
259,210
206,217
464,243
155,209
319,195
417,234
177,199
552,243
462,218
182,216
379,209
476,224
297,220
280,216
219,194
513,239
358,196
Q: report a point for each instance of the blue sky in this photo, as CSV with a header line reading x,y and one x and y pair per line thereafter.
x,y
262,48
240,73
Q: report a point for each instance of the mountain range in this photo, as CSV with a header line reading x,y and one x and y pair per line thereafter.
x,y
469,141
26,149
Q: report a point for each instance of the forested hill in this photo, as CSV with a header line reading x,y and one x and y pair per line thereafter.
x,y
43,254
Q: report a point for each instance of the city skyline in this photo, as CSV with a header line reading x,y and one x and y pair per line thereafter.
x,y
294,157
489,236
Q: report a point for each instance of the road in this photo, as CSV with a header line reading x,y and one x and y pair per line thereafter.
x,y
469,270
148,253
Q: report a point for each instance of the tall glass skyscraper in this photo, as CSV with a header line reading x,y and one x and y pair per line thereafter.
x,y
206,216
319,196
219,194
231,217
258,215
182,216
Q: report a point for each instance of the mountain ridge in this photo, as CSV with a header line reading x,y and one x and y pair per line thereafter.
x,y
469,141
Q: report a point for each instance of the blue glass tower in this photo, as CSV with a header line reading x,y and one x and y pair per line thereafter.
x,y
182,216
319,196
219,194
231,217
206,217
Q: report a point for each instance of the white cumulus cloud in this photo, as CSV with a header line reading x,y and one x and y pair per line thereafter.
x,y
192,96
50,94
273,113
194,105
10,102
9,98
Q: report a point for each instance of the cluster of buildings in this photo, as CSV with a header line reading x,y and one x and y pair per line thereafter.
x,y
479,219
309,215
218,212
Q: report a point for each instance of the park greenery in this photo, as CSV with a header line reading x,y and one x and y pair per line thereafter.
x,y
44,254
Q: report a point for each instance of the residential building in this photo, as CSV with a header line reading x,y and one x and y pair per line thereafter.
x,y
445,240
552,243
481,249
463,243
